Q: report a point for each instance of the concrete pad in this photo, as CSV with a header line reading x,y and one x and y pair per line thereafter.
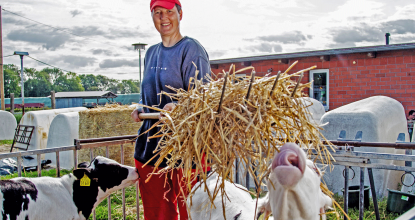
x,y
62,132
42,121
8,125
381,119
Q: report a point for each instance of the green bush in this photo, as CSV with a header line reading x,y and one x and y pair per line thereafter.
x,y
28,109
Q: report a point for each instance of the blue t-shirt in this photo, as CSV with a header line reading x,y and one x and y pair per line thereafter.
x,y
167,66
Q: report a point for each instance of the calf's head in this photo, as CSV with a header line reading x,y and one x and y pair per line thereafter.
x,y
97,180
294,187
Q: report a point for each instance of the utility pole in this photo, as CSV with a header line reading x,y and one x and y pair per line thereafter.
x,y
139,47
1,67
22,54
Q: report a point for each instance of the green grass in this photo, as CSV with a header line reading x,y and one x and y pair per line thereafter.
x,y
18,117
368,213
116,206
2,142
51,173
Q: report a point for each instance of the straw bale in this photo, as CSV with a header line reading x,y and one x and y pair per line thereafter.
x,y
107,121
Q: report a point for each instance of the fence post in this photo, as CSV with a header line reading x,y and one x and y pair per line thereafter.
x,y
12,103
342,137
362,193
52,99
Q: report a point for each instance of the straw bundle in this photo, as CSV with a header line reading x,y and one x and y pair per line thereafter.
x,y
232,118
107,121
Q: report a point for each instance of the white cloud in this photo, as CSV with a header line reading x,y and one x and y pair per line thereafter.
x,y
222,27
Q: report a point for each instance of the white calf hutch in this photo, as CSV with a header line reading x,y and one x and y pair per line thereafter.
x,y
42,121
316,109
63,130
380,119
7,125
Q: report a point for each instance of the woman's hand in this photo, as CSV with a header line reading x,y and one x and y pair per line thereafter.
x,y
135,113
168,107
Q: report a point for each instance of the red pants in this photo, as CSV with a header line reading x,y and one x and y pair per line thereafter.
x,y
162,195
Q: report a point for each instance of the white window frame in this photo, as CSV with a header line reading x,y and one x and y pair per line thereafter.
x,y
311,92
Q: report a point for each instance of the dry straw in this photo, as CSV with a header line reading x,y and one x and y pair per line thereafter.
x,y
236,119
108,121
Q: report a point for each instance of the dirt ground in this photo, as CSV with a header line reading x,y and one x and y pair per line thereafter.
x,y
5,148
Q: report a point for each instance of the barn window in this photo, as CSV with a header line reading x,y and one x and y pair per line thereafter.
x,y
239,77
320,88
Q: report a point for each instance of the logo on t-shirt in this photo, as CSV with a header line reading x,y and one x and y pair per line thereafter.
x,y
161,68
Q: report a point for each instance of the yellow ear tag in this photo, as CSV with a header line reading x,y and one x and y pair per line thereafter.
x,y
85,181
262,217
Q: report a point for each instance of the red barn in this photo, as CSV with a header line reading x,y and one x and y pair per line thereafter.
x,y
344,75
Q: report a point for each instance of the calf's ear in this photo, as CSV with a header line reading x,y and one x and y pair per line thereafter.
x,y
83,165
79,173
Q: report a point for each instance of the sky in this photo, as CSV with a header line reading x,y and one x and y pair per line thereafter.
x,y
96,37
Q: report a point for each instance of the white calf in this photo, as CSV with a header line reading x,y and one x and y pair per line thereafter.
x,y
238,203
71,197
294,187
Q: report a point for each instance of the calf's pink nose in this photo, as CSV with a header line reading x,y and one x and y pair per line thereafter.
x,y
289,164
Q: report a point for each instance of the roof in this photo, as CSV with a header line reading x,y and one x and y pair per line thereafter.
x,y
86,95
318,53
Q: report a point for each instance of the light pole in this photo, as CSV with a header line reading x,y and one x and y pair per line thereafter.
x,y
139,47
22,54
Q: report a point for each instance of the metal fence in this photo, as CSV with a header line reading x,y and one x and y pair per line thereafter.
x,y
345,156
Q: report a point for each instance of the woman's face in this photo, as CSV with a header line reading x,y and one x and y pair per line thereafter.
x,y
167,21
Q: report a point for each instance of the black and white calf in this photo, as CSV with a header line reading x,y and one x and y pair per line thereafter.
x,y
71,197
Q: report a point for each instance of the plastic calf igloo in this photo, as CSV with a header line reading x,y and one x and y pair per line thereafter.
x,y
42,121
62,132
381,119
315,108
8,125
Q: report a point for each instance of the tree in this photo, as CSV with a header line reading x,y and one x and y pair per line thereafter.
x,y
130,86
54,73
68,82
11,80
90,82
74,82
38,84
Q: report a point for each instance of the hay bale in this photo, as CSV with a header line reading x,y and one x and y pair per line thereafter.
x,y
108,121
246,119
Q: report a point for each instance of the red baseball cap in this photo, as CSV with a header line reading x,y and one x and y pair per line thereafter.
x,y
169,4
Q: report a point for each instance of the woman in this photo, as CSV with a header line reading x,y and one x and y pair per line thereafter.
x,y
170,63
